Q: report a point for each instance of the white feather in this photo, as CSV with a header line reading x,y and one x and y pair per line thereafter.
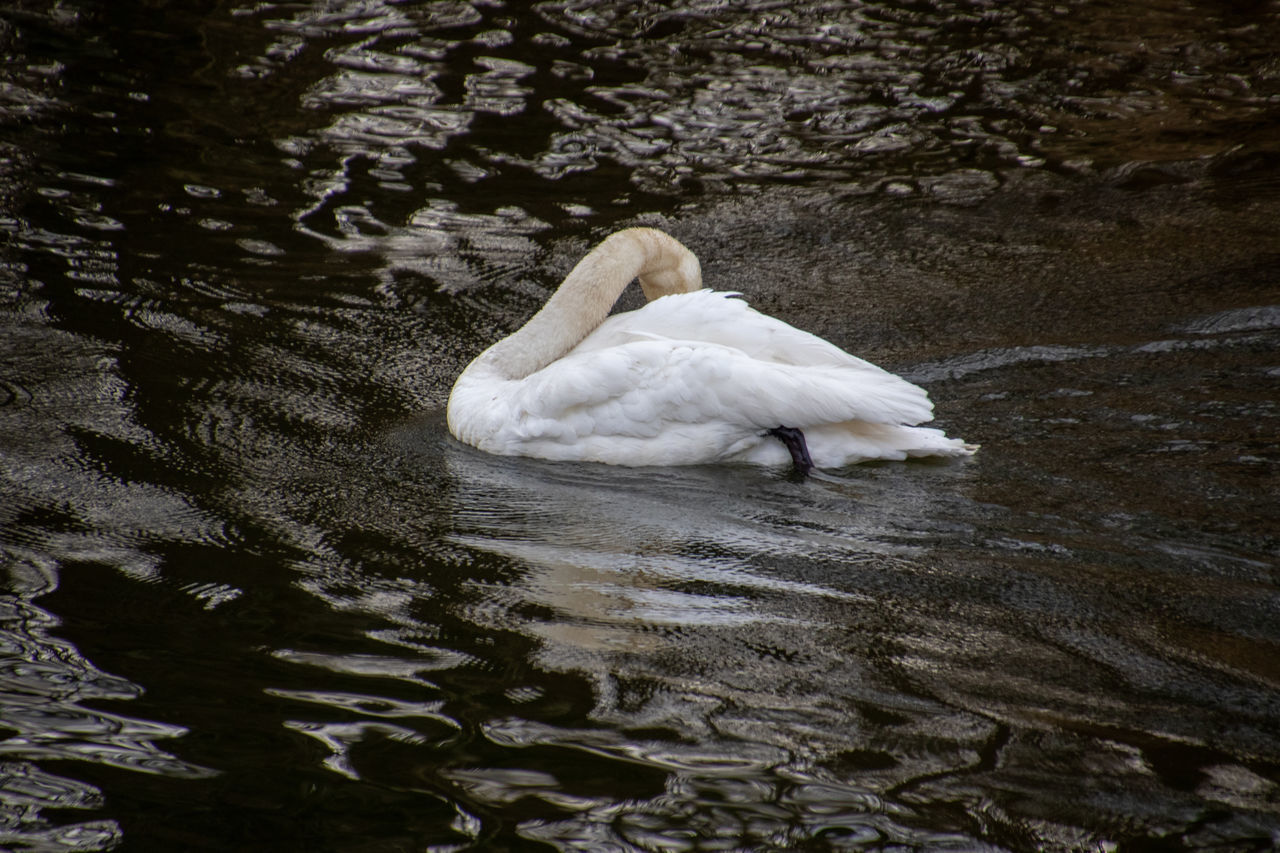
x,y
694,376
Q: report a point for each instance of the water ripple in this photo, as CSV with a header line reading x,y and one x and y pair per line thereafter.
x,y
710,94
45,684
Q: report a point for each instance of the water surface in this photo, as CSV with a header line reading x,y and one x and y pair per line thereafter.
x,y
256,598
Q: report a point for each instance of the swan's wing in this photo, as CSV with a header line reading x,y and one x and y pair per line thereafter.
x,y
851,384
775,394
647,387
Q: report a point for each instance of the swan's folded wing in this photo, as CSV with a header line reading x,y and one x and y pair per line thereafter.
x,y
772,394
647,387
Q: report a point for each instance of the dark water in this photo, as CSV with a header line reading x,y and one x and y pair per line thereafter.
x,y
255,597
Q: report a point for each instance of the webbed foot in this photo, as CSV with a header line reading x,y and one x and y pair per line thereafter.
x,y
793,440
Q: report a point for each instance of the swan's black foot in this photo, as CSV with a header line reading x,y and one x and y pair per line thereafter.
x,y
793,440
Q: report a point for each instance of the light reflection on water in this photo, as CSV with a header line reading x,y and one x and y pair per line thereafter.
x,y
49,690
258,599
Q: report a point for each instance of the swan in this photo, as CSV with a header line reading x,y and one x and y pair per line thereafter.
x,y
694,376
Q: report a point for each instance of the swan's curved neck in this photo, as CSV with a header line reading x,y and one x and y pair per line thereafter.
x,y
584,298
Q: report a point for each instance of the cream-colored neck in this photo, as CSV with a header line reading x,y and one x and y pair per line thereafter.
x,y
585,297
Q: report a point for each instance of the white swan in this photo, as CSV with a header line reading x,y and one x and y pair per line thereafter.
x,y
695,376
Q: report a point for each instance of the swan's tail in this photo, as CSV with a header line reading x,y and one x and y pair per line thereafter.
x,y
838,445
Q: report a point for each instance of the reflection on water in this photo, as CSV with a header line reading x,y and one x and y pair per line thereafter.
x,y
256,598
48,691
707,96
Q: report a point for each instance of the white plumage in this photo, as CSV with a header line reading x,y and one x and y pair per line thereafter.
x,y
695,376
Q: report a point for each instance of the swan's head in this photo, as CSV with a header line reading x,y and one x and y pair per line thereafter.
x,y
676,270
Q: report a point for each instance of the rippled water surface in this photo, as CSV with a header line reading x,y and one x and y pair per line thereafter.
x,y
256,598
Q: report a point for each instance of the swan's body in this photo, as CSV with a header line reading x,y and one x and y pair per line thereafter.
x,y
695,376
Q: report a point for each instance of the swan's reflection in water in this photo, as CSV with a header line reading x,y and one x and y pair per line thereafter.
x,y
627,556
731,623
